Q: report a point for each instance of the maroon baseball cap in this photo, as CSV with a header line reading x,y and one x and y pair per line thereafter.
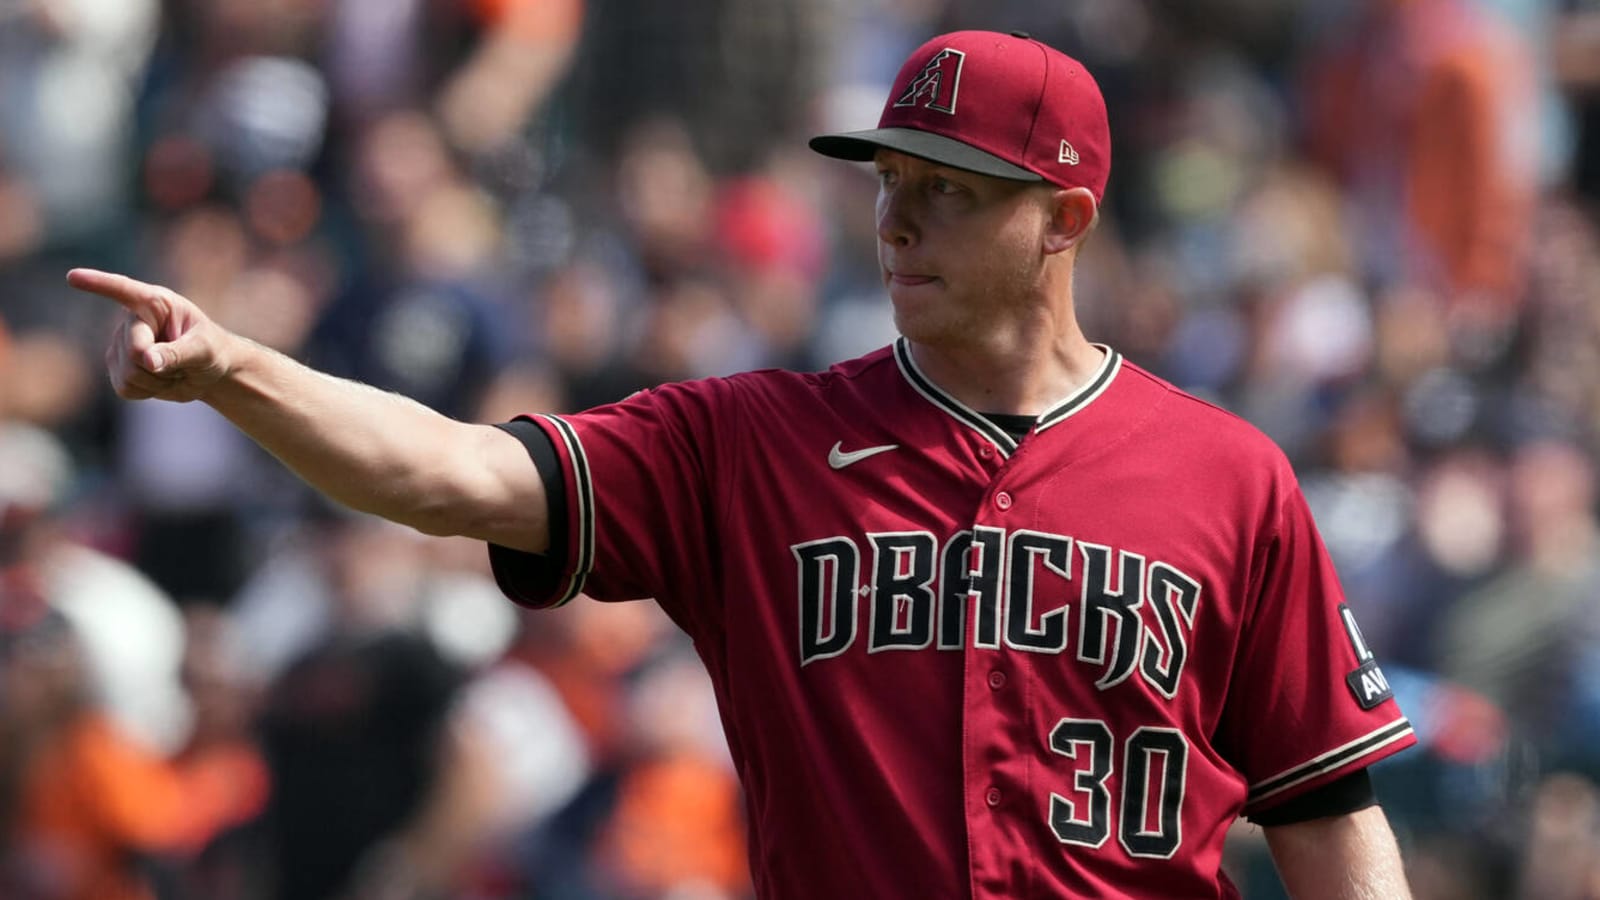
x,y
996,104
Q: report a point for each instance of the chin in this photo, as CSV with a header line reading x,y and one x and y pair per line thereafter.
x,y
928,327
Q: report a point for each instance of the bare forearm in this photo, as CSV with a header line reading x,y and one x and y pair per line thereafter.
x,y
1351,857
371,450
374,451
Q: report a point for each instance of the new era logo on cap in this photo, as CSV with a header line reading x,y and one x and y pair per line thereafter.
x,y
1001,105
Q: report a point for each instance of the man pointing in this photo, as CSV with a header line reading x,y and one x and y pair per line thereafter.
x,y
990,612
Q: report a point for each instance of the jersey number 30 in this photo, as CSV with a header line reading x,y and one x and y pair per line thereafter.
x,y
1150,814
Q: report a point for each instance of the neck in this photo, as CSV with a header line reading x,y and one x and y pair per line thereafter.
x,y
1022,370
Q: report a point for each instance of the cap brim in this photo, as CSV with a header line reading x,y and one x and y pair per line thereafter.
x,y
862,146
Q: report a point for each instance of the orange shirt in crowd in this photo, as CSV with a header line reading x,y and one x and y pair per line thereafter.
x,y
1429,107
98,798
678,822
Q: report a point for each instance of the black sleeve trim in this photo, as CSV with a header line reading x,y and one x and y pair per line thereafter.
x,y
1341,796
536,575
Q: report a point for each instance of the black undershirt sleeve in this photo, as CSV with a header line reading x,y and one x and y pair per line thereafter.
x,y
1336,798
538,572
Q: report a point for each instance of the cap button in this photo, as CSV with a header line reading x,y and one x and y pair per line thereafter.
x,y
1022,34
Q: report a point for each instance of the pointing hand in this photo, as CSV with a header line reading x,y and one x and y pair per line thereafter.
x,y
166,348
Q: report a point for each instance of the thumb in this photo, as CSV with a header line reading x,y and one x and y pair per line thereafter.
x,y
177,355
155,358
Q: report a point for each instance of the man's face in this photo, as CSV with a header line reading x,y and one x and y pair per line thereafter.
x,y
958,251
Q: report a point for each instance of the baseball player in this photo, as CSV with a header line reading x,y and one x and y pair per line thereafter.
x,y
990,613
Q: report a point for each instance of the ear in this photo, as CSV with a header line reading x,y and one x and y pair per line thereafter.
x,y
1072,212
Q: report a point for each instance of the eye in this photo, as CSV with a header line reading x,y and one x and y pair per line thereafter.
x,y
945,186
887,178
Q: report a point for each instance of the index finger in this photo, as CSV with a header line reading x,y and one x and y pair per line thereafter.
x,y
141,299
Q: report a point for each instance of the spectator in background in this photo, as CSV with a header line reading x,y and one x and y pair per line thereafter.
x,y
238,122
525,51
1422,111
540,762
67,68
658,812
577,328
190,526
1563,844
643,59
226,701
128,631
677,827
423,315
91,800
376,787
382,56
1457,538
365,770
770,238
1520,638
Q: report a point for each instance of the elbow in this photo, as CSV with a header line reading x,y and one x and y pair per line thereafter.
x,y
463,512
478,486
435,525
439,513
429,507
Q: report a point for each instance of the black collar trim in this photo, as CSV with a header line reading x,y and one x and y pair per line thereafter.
x,y
1055,415
962,412
1109,367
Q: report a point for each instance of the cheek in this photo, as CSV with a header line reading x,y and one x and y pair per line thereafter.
x,y
1020,242
1002,253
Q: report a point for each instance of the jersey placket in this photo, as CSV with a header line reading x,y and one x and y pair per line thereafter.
x,y
999,746
996,737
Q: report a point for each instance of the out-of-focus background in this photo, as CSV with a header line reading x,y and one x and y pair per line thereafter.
x,y
1371,227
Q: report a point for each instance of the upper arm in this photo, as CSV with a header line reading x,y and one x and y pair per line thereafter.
x,y
642,483
1348,857
1303,666
504,501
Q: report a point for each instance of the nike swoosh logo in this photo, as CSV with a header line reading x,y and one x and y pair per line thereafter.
x,y
838,459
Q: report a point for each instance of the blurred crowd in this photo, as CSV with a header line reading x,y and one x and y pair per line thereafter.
x,y
1371,227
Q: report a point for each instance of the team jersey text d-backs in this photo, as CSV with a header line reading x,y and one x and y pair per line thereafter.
x,y
952,665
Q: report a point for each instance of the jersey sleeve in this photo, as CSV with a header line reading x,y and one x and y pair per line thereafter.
x,y
640,480
531,578
1307,703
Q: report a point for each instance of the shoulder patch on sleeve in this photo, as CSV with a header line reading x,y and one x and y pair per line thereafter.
x,y
1369,685
1367,681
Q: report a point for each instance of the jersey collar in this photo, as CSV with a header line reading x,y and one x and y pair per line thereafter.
x,y
1058,412
1085,395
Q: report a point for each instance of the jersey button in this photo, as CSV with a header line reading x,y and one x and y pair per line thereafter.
x,y
986,451
992,797
1002,500
997,679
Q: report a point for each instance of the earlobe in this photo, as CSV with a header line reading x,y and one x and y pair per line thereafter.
x,y
1073,214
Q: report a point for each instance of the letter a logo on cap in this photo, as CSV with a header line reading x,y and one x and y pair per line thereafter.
x,y
939,81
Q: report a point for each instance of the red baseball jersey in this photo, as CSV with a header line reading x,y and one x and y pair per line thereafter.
x,y
954,665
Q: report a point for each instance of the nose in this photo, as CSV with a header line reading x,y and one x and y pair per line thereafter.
x,y
896,220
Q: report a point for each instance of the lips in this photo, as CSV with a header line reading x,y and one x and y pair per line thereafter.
x,y
910,279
